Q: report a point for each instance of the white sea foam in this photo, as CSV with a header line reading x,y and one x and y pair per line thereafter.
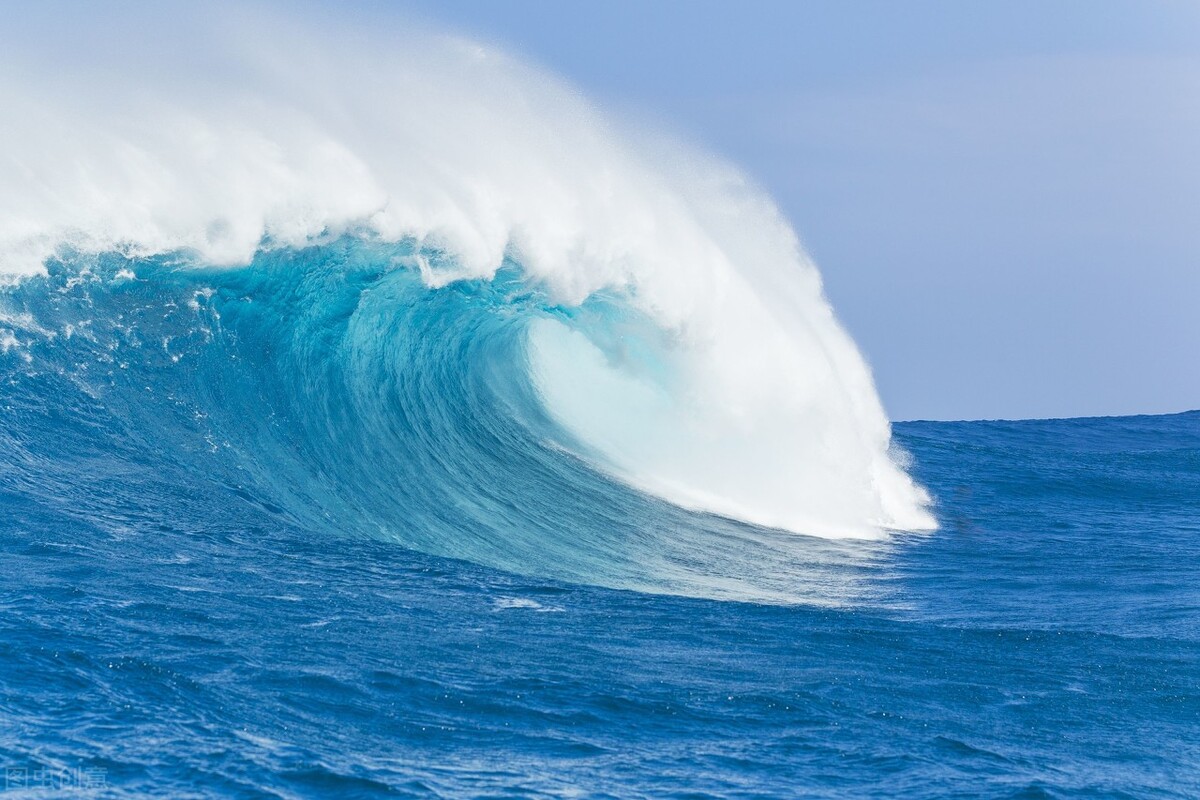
x,y
252,127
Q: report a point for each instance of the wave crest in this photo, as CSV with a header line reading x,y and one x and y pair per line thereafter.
x,y
683,343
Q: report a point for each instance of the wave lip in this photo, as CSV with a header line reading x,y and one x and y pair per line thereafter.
x,y
684,346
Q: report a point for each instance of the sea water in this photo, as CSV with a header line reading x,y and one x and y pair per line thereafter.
x,y
230,571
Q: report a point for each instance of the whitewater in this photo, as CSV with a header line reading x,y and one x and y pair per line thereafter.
x,y
380,417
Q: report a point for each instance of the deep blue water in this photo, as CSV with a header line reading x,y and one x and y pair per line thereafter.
x,y
300,530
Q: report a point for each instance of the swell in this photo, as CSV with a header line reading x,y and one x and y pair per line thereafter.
x,y
330,388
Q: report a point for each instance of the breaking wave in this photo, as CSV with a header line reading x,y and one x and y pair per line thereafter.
x,y
403,281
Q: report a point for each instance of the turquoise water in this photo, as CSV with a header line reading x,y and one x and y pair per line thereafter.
x,y
302,529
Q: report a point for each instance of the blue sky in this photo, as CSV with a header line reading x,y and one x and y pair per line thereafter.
x,y
1003,197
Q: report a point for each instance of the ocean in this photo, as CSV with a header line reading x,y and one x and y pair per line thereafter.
x,y
306,528
381,418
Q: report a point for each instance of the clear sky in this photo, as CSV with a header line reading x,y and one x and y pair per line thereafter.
x,y
1003,197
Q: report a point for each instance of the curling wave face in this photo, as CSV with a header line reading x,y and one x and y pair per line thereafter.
x,y
463,284
330,390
